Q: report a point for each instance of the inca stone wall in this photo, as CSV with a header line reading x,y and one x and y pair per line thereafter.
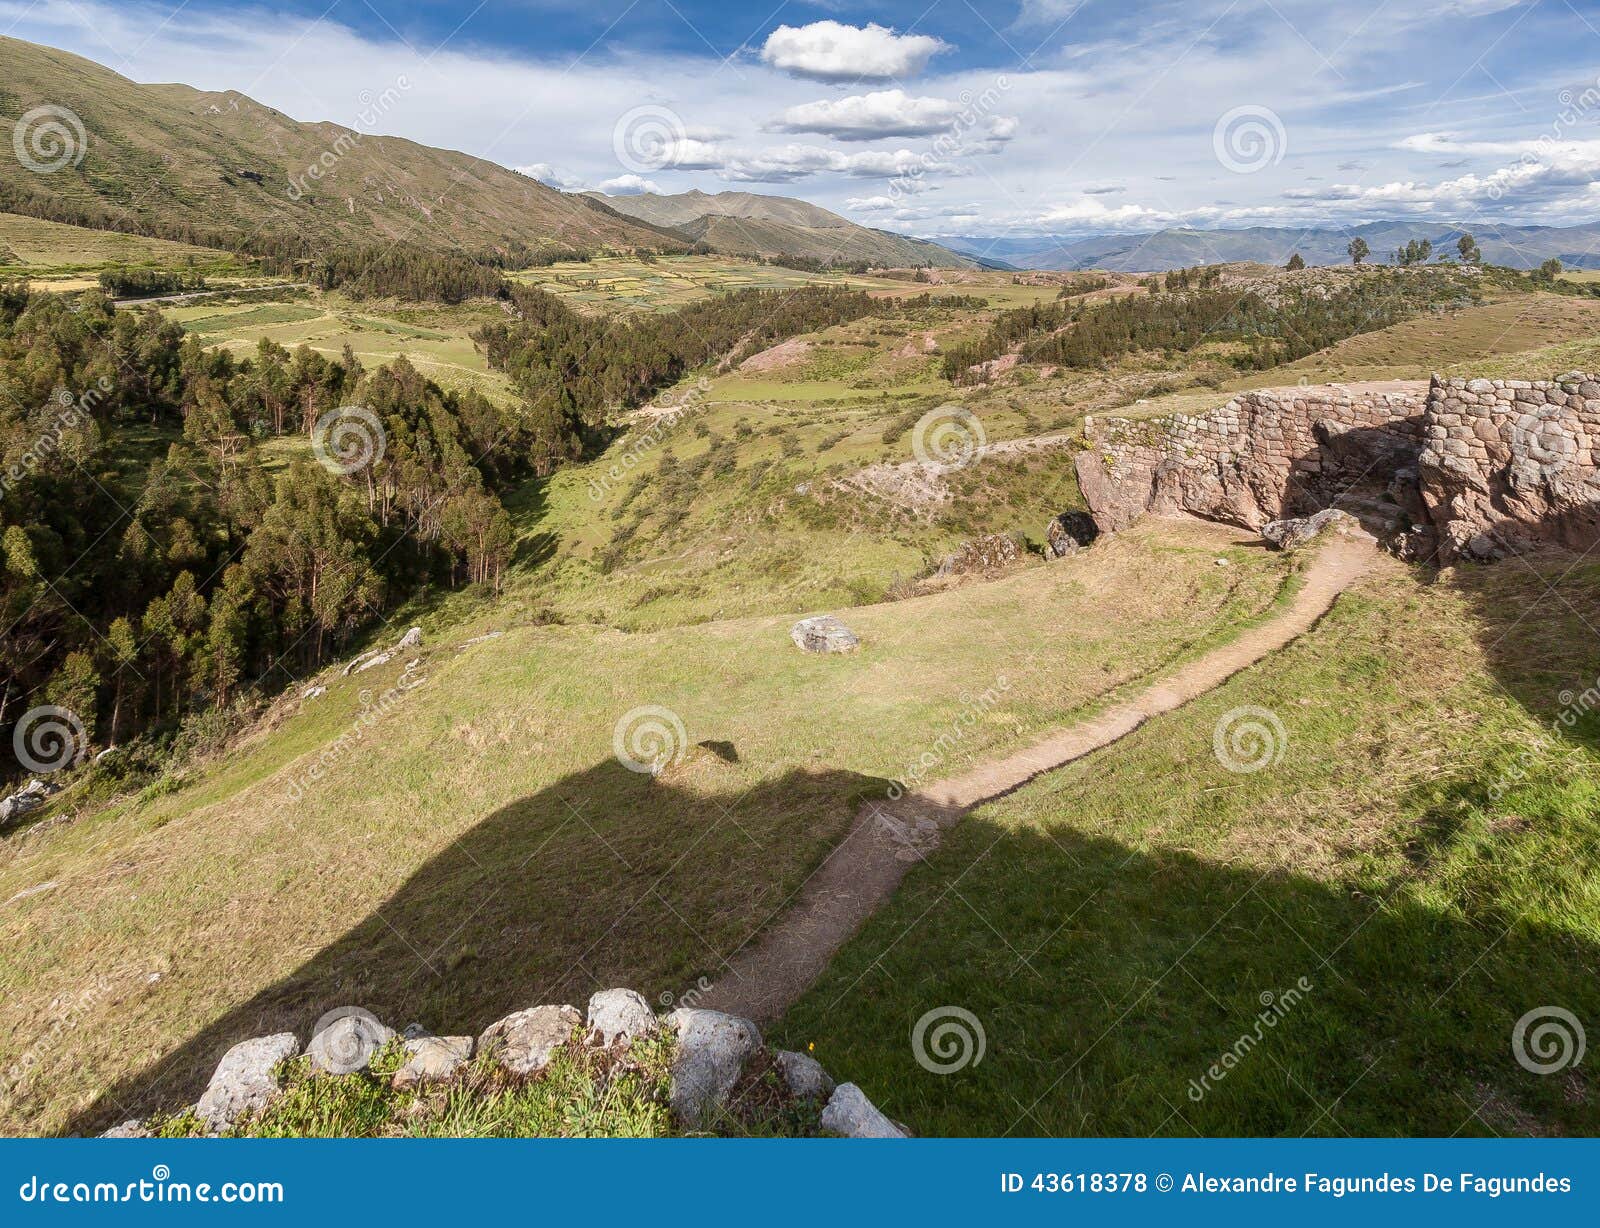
x,y
1506,463
1457,468
1262,456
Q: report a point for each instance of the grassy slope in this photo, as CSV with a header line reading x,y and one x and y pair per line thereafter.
x,y
173,154
437,339
482,849
1117,926
50,250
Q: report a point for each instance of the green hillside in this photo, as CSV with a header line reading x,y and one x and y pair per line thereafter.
x,y
223,170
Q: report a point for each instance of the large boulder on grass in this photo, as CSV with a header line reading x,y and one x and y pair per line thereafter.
x,y
824,633
245,1080
525,1042
712,1050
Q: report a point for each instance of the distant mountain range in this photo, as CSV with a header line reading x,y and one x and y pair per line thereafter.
x,y
1520,247
223,170
750,224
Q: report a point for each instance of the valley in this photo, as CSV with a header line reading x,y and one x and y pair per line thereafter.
x,y
415,577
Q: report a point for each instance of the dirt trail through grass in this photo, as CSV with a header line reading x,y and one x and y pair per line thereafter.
x,y
773,969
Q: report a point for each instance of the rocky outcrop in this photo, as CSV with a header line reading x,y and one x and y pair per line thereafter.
x,y
1474,469
32,796
986,553
1070,532
1292,534
824,633
717,1060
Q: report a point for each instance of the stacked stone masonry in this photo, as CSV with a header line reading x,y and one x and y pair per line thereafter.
x,y
1456,468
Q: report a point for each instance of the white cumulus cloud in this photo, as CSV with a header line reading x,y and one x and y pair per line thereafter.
x,y
833,51
630,185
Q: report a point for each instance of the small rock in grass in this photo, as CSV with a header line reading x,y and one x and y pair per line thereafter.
x,y
524,1042
617,1013
244,1081
804,1075
851,1114
433,1058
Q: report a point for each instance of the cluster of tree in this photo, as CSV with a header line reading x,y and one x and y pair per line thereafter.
x,y
1201,277
814,264
1082,286
406,271
1263,332
1415,251
140,582
571,368
145,283
1547,272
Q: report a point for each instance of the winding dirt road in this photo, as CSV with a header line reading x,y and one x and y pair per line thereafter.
x,y
765,976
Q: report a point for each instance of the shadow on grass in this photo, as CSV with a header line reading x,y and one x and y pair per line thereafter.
x,y
1130,993
608,877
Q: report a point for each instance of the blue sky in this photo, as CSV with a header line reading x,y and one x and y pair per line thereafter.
x,y
953,117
